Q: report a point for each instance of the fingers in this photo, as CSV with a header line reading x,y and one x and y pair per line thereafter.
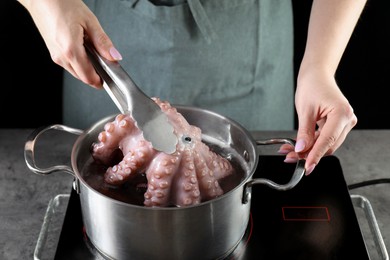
x,y
306,134
103,45
84,68
71,55
331,136
66,44
285,149
101,41
78,63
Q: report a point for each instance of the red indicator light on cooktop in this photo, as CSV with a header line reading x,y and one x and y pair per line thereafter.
x,y
305,214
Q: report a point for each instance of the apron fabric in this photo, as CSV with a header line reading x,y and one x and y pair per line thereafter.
x,y
233,57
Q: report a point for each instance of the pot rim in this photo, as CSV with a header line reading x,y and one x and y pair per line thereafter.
x,y
248,175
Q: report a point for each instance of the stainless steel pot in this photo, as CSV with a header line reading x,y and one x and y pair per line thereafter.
x,y
210,230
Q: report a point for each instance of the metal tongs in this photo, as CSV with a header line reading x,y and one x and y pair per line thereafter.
x,y
129,98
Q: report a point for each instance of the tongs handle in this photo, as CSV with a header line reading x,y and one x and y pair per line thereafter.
x,y
116,81
149,117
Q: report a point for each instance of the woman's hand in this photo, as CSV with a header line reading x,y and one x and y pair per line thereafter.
x,y
325,118
318,100
64,26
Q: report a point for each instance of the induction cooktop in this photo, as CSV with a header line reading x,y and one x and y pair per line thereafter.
x,y
314,220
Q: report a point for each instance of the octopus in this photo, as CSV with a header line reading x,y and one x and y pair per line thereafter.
x,y
186,177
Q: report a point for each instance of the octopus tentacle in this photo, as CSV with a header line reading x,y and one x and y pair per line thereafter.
x,y
208,185
186,190
113,134
219,165
187,177
133,163
159,175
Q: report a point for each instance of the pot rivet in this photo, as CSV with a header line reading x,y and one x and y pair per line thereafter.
x,y
246,155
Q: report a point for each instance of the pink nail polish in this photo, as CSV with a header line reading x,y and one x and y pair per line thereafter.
x,y
284,151
290,160
115,54
300,145
310,169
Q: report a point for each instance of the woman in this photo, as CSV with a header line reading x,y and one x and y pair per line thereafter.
x,y
234,57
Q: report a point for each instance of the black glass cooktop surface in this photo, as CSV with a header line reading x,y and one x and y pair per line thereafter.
x,y
314,220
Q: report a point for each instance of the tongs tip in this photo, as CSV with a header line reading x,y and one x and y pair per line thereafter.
x,y
157,130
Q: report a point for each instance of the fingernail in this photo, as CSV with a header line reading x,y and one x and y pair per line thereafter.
x,y
284,151
310,169
290,160
115,54
300,145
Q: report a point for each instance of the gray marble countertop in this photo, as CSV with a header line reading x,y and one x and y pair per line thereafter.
x,y
24,196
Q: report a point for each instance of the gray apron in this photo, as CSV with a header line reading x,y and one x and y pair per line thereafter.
x,y
234,57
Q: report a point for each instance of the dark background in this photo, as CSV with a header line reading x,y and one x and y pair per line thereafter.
x,y
31,83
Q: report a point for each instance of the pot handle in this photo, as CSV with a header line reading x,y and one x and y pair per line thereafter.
x,y
29,148
296,177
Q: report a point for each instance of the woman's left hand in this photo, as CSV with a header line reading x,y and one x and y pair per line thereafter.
x,y
325,119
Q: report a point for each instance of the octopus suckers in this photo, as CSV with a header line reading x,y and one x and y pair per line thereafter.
x,y
164,162
120,117
191,166
187,187
193,180
182,178
163,184
196,193
102,137
123,123
187,201
226,165
110,128
160,194
127,171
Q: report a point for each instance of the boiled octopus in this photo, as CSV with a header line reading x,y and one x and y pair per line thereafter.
x,y
186,177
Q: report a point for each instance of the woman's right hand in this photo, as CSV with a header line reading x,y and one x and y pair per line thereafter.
x,y
64,24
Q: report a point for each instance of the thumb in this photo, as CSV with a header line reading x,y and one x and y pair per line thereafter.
x,y
102,42
306,134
